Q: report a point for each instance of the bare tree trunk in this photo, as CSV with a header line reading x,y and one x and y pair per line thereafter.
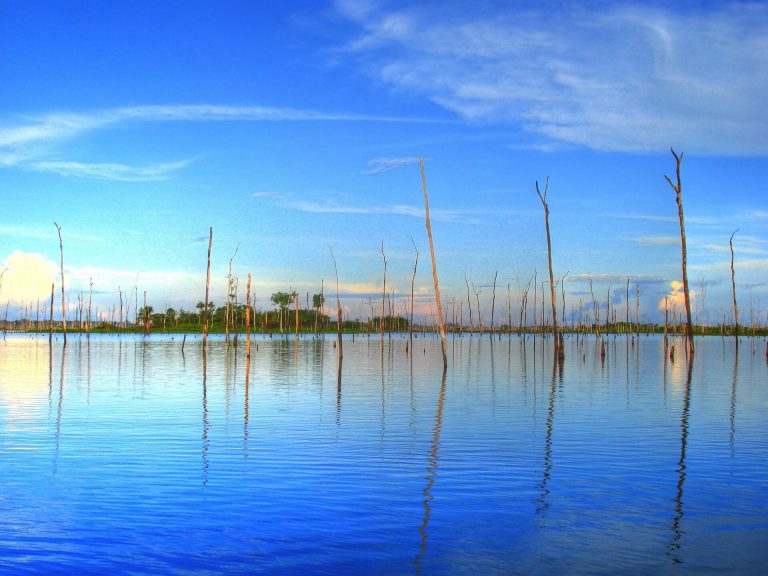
x,y
666,322
230,296
296,312
493,302
434,266
338,309
90,301
50,324
383,294
146,315
469,302
733,287
63,305
677,187
627,306
477,302
543,198
413,281
207,285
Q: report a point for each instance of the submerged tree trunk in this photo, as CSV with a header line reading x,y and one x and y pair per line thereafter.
x,y
63,304
383,294
493,302
90,301
434,266
413,281
338,311
50,324
543,198
733,288
207,285
677,187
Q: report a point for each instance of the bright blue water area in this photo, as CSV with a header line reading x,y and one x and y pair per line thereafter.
x,y
127,455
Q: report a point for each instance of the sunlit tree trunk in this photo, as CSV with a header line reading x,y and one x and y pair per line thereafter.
x,y
63,303
207,286
434,266
543,198
677,187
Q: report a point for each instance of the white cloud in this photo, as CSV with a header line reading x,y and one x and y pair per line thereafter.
x,y
27,277
58,126
454,216
675,298
657,240
111,171
623,77
379,165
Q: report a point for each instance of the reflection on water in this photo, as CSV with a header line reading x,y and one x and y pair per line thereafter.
x,y
431,474
508,462
681,470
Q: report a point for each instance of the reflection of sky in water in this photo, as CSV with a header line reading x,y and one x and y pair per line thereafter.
x,y
24,381
505,465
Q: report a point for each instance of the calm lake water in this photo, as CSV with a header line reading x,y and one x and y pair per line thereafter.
x,y
121,455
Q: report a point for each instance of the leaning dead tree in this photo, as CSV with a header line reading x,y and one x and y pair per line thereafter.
x,y
434,265
552,287
677,187
63,304
207,285
733,288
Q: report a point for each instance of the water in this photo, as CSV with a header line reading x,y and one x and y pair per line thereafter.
x,y
121,455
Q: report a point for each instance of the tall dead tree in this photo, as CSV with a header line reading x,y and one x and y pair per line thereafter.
x,y
207,286
63,303
248,319
733,288
50,323
543,198
434,266
677,187
231,296
383,294
413,281
493,302
90,301
338,312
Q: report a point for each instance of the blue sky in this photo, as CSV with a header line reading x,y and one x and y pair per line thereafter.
x,y
293,128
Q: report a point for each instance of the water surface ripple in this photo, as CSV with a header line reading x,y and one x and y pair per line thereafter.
x,y
125,455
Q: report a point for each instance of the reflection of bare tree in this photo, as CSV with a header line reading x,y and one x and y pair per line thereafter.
x,y
733,397
59,409
434,464
677,532
543,505
245,407
205,417
338,392
50,379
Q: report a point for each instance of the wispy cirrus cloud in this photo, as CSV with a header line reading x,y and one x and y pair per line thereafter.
x,y
657,240
690,219
623,77
39,233
22,144
616,278
270,195
454,216
58,126
111,171
380,165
